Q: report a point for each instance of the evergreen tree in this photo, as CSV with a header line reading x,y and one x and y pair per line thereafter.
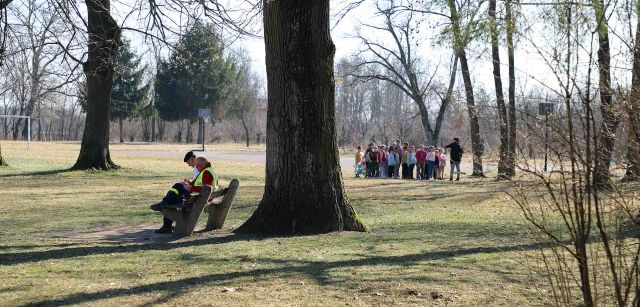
x,y
129,93
196,75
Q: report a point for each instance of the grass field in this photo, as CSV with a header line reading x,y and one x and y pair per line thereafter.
x,y
460,244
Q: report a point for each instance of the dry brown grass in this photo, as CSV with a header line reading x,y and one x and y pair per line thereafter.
x,y
463,241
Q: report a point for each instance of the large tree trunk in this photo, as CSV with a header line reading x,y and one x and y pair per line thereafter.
x,y
633,139
104,38
610,116
511,29
303,192
502,108
424,120
476,141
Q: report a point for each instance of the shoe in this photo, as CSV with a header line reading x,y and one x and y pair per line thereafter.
x,y
164,230
158,206
458,179
450,178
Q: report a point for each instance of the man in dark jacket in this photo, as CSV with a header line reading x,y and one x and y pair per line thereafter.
x,y
455,157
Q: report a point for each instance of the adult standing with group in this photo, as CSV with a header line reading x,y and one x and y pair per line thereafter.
x,y
455,158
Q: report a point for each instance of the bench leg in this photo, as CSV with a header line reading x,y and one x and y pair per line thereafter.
x,y
218,214
181,229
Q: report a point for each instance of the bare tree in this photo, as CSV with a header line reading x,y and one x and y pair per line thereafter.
x,y
511,30
503,164
244,96
401,65
610,115
594,249
3,40
359,104
37,64
462,33
633,100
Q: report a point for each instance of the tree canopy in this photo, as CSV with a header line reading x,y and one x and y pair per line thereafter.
x,y
129,91
196,75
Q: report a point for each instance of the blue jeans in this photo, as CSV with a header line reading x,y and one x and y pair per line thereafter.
x,y
431,167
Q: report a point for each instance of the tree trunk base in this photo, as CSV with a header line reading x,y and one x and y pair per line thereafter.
x,y
267,219
478,175
95,161
104,165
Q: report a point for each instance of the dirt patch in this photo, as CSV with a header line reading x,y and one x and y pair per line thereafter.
x,y
140,233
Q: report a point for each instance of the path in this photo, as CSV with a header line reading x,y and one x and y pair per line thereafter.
x,y
346,161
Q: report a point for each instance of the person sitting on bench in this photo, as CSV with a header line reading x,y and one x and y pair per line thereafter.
x,y
190,160
180,191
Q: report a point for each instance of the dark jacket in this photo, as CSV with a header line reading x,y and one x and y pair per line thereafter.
x,y
456,152
373,157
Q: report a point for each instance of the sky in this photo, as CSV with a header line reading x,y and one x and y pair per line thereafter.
x,y
432,55
532,70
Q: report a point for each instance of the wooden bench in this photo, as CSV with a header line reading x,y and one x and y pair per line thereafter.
x,y
220,204
216,203
186,217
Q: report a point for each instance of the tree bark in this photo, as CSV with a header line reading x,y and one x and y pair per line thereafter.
x,y
303,192
610,116
633,139
424,120
502,108
476,140
511,29
459,45
104,38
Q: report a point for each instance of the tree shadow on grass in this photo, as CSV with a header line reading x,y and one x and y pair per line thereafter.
x,y
81,251
40,173
33,246
319,271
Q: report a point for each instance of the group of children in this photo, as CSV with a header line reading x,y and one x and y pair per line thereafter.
x,y
401,161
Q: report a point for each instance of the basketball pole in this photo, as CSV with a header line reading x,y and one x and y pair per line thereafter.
x,y
204,128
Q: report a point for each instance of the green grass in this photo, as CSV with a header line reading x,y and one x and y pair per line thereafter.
x,y
463,240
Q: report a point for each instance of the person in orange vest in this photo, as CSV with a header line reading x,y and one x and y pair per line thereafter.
x,y
180,191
